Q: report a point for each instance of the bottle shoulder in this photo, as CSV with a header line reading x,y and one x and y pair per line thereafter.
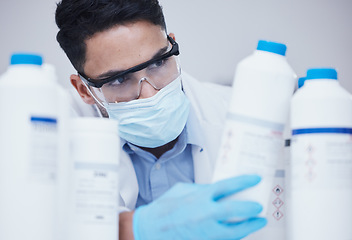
x,y
266,62
22,75
321,89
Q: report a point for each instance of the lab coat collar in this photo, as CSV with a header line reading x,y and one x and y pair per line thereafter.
x,y
203,158
193,130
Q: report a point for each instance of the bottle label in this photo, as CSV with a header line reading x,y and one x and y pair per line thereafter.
x,y
321,158
43,149
96,193
249,146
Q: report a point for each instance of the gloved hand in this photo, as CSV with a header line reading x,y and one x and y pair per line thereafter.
x,y
193,211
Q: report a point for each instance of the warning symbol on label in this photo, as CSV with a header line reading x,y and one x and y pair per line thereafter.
x,y
310,148
278,190
310,163
310,175
278,203
278,215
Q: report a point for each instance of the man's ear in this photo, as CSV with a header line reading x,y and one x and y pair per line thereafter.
x,y
81,89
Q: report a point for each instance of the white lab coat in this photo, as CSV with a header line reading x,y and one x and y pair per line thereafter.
x,y
209,103
209,106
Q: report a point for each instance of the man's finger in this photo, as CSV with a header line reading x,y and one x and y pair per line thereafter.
x,y
233,185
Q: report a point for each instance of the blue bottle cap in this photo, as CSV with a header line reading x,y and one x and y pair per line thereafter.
x,y
321,73
301,81
26,58
273,47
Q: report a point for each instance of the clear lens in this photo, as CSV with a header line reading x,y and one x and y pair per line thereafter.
x,y
158,74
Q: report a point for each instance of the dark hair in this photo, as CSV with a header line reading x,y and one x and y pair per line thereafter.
x,y
80,19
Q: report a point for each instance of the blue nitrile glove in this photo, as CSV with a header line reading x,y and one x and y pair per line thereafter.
x,y
193,211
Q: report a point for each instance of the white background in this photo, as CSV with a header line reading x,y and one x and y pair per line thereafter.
x,y
214,35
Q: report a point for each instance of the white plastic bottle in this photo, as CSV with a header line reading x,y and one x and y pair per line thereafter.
x,y
93,191
253,141
320,193
62,167
29,145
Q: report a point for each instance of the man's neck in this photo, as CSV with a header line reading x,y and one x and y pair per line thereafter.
x,y
158,151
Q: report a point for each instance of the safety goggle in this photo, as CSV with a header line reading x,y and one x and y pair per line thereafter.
x,y
98,83
126,85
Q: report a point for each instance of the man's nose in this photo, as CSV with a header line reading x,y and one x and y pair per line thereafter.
x,y
147,90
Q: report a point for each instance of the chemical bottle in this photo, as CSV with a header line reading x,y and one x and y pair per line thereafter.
x,y
320,192
253,141
62,166
93,190
30,142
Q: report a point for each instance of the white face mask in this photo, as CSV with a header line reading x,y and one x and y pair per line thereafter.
x,y
154,121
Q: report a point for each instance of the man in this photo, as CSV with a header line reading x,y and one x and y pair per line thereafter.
x,y
170,125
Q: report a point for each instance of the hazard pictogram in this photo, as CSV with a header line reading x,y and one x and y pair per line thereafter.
x,y
278,203
278,214
311,163
278,190
310,148
310,175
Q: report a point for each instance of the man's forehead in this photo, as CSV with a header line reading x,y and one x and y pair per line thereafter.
x,y
123,46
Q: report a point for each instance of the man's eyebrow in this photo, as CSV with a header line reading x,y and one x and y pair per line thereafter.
x,y
115,72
